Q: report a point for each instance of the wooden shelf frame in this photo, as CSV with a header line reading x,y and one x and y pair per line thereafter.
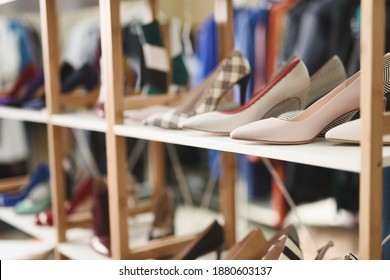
x,y
111,52
372,130
372,156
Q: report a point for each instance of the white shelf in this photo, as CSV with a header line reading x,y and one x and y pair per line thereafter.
x,y
86,120
17,6
320,153
77,247
26,223
28,115
260,213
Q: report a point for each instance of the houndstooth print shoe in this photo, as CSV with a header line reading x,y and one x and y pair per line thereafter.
x,y
234,69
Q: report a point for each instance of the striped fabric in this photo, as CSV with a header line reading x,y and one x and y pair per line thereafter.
x,y
156,59
234,69
329,76
284,249
350,257
386,73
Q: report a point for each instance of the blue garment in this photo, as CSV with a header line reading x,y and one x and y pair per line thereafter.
x,y
256,176
25,41
245,21
207,51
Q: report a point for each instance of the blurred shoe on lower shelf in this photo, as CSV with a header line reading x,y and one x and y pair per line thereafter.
x,y
164,215
210,239
100,240
38,200
81,195
39,176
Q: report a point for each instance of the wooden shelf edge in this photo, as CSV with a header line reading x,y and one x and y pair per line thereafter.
x,y
140,101
80,98
13,183
140,208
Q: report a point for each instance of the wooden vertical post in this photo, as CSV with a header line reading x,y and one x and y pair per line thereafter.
x,y
156,156
157,170
112,77
224,18
227,197
153,8
50,48
371,103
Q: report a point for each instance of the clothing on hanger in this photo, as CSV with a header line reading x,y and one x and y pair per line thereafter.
x,y
13,142
180,76
156,59
82,42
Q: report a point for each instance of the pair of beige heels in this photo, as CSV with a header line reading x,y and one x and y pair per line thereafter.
x,y
316,119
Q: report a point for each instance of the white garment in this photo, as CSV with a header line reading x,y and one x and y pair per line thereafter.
x,y
9,56
174,36
82,42
13,141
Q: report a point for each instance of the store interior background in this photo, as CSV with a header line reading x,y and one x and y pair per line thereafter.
x,y
322,216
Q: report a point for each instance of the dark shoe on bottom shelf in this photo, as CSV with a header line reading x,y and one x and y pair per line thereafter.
x,y
164,215
81,197
211,239
100,240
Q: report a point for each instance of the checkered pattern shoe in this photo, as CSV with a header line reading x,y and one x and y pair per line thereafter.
x,y
234,69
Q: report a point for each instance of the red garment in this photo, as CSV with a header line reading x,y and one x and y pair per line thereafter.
x,y
276,27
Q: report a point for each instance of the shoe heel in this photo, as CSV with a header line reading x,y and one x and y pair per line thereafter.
x,y
218,252
291,104
243,84
340,120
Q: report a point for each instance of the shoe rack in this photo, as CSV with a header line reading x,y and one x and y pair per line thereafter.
x,y
368,159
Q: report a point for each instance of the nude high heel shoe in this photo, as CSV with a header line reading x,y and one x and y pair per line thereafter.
x,y
325,79
314,121
285,92
349,132
234,69
306,126
329,76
